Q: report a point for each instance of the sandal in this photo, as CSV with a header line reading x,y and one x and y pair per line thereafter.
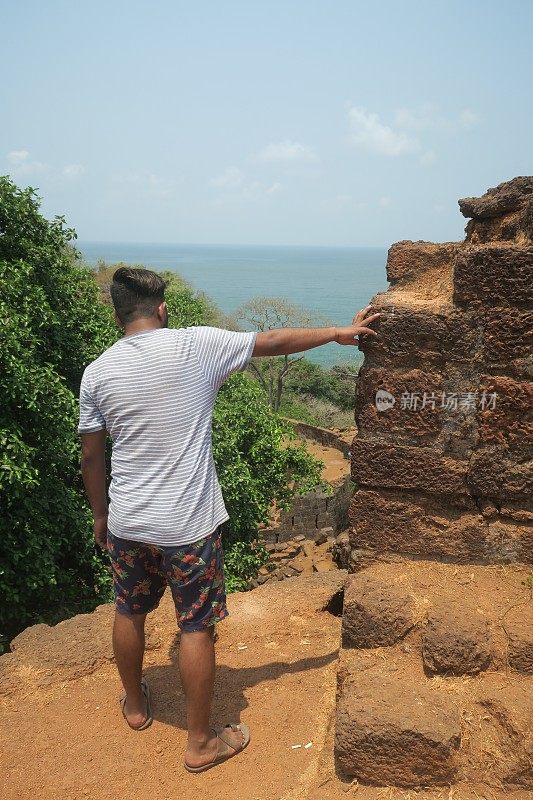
x,y
149,719
220,757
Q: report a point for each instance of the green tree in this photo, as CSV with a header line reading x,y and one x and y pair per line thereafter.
x,y
264,314
337,385
52,325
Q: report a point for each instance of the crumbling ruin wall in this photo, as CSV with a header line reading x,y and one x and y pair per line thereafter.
x,y
442,456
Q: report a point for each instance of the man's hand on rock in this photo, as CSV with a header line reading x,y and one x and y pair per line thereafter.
x,y
360,323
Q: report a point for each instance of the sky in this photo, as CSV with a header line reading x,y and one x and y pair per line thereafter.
x,y
298,122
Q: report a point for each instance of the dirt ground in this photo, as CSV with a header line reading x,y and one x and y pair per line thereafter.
x,y
335,465
62,734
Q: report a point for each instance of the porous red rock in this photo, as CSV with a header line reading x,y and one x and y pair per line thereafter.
x,y
456,640
391,732
503,213
518,626
451,443
507,751
494,275
374,614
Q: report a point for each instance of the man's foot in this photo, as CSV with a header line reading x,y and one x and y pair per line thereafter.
x,y
217,748
138,718
135,718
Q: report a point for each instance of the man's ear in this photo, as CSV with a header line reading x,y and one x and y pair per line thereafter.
x,y
118,323
162,311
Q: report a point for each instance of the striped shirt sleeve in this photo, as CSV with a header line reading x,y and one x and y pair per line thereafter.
x,y
91,420
221,352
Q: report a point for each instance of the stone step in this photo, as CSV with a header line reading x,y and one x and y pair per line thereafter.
x,y
393,730
395,726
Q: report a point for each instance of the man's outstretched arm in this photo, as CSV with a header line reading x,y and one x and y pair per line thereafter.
x,y
283,341
94,478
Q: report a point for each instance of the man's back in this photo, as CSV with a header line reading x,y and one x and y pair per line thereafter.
x,y
154,392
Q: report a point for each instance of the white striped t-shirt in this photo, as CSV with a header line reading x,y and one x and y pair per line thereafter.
x,y
154,393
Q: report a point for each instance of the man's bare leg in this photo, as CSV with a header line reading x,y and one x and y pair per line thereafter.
x,y
128,646
197,670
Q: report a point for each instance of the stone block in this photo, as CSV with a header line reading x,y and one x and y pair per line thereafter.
x,y
518,626
507,338
503,213
424,526
504,415
296,566
492,474
324,565
322,535
375,614
308,548
393,466
456,640
410,334
494,275
507,744
407,259
405,419
398,732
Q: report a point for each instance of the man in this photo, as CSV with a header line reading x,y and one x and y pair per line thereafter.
x,y
153,391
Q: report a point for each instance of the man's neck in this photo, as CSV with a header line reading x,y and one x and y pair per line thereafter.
x,y
139,325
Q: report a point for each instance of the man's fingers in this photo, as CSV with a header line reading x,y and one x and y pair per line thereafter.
x,y
362,311
361,329
370,319
360,316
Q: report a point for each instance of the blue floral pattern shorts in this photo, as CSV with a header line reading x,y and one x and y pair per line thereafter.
x,y
194,572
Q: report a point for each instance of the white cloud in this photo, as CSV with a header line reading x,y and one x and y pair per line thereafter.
x,y
21,164
468,118
18,156
287,151
368,132
231,178
408,120
140,185
73,170
430,118
384,201
234,185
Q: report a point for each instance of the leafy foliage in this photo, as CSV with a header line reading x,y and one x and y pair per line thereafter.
x,y
54,324
336,385
265,314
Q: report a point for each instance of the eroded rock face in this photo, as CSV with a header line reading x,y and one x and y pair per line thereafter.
x,y
518,626
443,457
396,733
502,213
456,641
374,613
508,736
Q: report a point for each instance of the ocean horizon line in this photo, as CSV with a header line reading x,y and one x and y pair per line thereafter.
x,y
218,244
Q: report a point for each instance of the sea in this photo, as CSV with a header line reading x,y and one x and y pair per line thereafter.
x,y
331,282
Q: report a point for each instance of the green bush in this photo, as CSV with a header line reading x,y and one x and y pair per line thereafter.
x,y
54,324
335,385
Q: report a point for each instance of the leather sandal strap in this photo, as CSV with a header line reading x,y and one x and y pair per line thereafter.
x,y
233,746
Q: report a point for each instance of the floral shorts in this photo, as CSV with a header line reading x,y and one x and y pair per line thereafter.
x,y
194,572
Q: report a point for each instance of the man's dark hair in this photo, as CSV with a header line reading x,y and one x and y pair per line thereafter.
x,y
136,293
